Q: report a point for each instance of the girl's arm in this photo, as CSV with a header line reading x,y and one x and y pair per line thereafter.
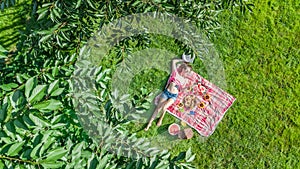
x,y
174,62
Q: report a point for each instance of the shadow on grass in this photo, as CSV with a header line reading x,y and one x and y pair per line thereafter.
x,y
160,130
12,21
163,128
9,42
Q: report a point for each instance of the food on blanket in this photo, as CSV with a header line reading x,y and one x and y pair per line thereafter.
x,y
208,113
180,105
186,133
183,123
192,113
189,101
199,85
206,97
201,88
201,105
181,109
195,88
174,129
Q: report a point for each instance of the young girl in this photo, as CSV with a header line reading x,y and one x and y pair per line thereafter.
x,y
175,83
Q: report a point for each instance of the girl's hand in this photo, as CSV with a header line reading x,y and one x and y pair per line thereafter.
x,y
177,60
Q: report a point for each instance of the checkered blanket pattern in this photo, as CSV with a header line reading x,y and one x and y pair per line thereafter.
x,y
201,104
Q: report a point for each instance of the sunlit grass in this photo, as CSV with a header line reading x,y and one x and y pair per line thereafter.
x,y
260,52
12,21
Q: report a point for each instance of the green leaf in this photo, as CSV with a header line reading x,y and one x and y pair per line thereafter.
x,y
2,56
53,86
64,35
191,158
47,5
57,118
44,38
55,71
2,49
52,16
56,13
52,164
104,161
29,123
15,148
48,105
38,93
47,143
56,154
35,150
2,165
179,157
13,85
90,4
58,125
42,15
8,87
19,78
78,148
78,4
37,121
10,129
3,52
5,88
30,84
188,154
4,148
17,99
3,112
26,154
20,124
57,92
93,162
136,3
48,76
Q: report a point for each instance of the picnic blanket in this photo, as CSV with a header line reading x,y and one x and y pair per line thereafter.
x,y
201,104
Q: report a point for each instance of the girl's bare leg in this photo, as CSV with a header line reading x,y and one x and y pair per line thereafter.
x,y
157,109
168,103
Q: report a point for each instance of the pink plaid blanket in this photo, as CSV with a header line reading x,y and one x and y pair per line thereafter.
x,y
201,104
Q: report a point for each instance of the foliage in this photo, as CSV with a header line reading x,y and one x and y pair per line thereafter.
x,y
39,126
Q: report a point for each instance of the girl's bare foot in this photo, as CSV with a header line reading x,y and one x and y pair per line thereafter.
x,y
159,123
147,128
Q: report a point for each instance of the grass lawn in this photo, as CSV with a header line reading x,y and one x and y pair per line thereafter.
x,y
260,52
261,58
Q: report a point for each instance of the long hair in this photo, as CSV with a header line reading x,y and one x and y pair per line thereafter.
x,y
184,66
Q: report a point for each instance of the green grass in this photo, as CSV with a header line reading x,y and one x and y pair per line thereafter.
x,y
262,66
12,21
261,58
260,52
